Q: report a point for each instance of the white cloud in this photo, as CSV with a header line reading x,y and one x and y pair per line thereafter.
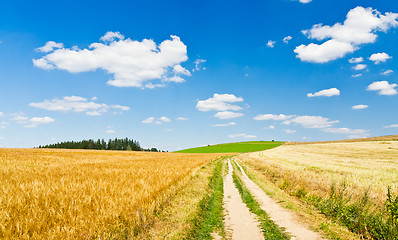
x,y
159,121
325,93
279,117
357,75
328,51
41,120
20,119
359,107
3,124
110,131
271,127
387,72
123,108
132,63
35,121
165,119
111,36
289,131
383,88
241,135
379,57
198,65
360,27
225,124
359,67
305,1
1,114
182,118
178,69
311,121
271,44
76,104
219,102
356,60
353,133
227,115
287,39
391,126
148,120
50,46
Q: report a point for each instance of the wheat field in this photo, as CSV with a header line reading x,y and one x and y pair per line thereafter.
x,y
363,166
81,194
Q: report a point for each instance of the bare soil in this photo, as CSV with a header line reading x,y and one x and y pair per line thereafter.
x,y
281,216
240,223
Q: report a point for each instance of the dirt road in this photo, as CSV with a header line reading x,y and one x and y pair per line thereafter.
x,y
239,221
281,216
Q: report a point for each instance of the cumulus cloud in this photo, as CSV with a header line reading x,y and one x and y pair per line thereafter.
x,y
227,115
225,124
328,51
387,72
353,133
359,67
111,36
356,60
311,121
182,118
1,114
219,102
391,126
271,44
132,63
360,27
110,131
241,135
159,121
383,88
287,39
76,104
279,117
148,120
178,69
270,127
33,122
359,107
305,1
50,46
325,93
379,57
165,119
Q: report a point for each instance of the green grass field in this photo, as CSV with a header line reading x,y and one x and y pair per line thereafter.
x,y
239,147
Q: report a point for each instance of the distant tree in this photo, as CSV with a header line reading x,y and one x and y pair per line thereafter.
x,y
101,144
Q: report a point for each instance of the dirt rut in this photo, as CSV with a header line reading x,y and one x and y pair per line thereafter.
x,y
281,216
240,223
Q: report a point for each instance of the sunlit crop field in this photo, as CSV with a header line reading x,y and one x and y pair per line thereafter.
x,y
77,194
362,166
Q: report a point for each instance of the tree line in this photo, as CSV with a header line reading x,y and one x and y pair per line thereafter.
x,y
100,144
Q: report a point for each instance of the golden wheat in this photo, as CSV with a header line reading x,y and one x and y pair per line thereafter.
x,y
314,167
78,194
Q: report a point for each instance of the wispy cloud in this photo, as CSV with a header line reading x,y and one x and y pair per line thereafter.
x,y
76,104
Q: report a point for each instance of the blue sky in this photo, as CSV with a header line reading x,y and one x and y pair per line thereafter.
x,y
180,74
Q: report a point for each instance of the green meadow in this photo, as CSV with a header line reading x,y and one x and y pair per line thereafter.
x,y
239,147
